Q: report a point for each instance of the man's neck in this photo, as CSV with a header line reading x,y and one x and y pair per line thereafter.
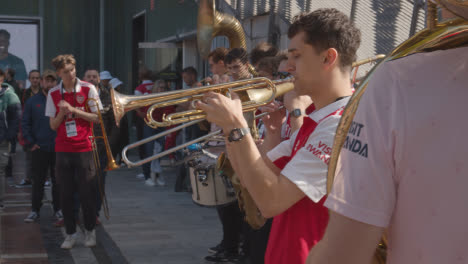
x,y
44,91
338,87
3,55
34,89
69,87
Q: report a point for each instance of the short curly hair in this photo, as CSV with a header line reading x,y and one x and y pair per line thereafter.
x,y
218,54
329,28
262,50
60,61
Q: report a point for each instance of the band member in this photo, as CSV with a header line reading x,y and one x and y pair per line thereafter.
x,y
41,139
217,66
230,215
66,107
406,168
290,183
262,50
92,76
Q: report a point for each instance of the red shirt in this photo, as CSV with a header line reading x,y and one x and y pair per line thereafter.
x,y
81,142
295,231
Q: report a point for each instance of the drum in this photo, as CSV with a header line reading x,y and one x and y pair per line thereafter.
x,y
210,187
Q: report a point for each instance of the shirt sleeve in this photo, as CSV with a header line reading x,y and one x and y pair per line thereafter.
x,y
284,149
50,109
308,168
364,187
94,94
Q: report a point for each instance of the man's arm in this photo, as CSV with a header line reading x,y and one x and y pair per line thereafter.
x,y
91,117
354,241
26,123
13,119
272,192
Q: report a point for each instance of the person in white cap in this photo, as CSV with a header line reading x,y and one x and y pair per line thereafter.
x,y
105,79
115,84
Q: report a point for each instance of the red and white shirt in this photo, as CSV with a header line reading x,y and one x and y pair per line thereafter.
x,y
145,87
81,142
304,160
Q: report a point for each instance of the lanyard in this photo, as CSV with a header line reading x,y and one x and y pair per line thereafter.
x,y
74,96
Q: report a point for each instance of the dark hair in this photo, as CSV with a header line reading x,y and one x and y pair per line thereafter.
x,y
2,73
145,73
91,69
328,28
262,50
190,70
218,54
11,71
33,71
234,54
60,61
5,33
269,64
282,55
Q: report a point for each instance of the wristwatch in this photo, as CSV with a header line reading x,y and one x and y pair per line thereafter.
x,y
296,112
238,133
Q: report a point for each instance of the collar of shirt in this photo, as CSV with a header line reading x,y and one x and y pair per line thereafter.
x,y
77,86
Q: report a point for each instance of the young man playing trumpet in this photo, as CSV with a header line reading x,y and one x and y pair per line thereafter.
x,y
289,183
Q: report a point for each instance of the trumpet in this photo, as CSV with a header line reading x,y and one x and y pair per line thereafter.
x,y
253,95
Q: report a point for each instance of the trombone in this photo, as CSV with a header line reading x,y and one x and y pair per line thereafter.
x,y
111,164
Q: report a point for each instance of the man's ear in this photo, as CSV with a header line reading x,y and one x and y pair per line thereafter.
x,y
330,58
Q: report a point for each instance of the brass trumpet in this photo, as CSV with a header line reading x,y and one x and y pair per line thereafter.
x,y
254,93
125,103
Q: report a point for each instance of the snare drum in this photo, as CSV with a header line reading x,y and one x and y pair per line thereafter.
x,y
209,188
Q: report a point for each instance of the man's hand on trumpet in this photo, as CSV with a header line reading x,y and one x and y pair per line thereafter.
x,y
223,111
274,120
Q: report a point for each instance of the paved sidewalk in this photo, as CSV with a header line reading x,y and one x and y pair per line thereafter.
x,y
146,225
156,224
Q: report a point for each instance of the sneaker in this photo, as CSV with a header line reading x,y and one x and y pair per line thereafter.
x,y
69,241
160,180
47,184
150,182
25,182
6,154
59,215
59,223
32,217
216,248
223,256
140,176
90,238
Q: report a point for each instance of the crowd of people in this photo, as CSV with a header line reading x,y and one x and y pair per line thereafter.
x,y
284,166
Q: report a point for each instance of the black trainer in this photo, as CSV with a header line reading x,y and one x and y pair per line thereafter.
x,y
224,256
216,248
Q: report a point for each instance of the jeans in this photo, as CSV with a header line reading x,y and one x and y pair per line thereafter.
x,y
149,147
43,161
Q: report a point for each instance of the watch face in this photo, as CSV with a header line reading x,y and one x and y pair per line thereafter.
x,y
236,134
